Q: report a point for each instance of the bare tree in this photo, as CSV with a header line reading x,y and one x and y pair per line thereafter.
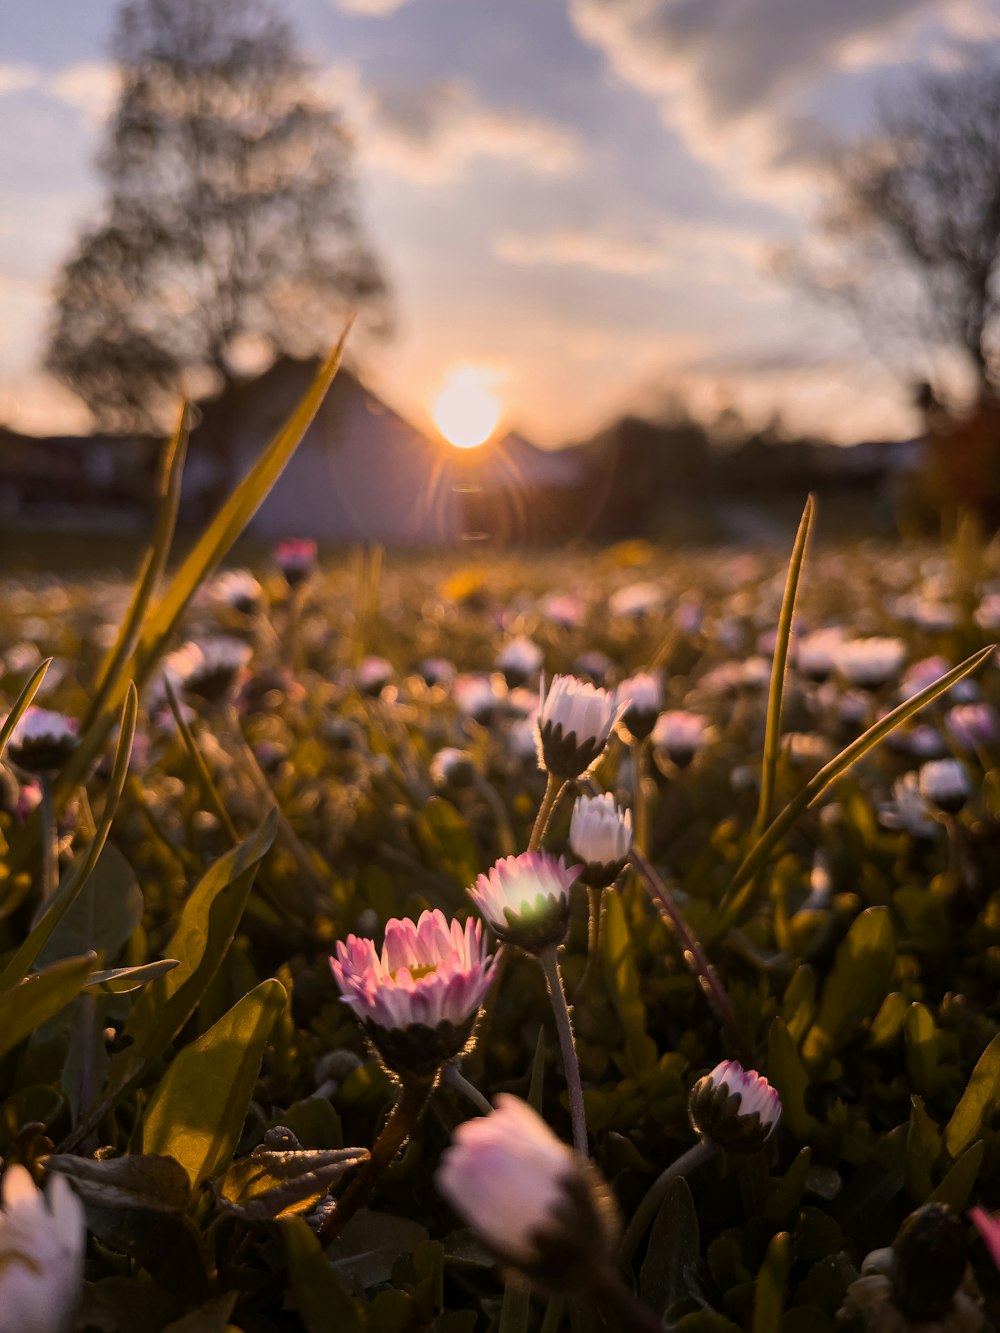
x,y
911,237
230,225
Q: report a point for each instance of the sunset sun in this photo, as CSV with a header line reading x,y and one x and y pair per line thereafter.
x,y
467,409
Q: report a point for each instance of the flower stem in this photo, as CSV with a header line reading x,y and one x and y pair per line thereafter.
x,y
694,955
554,789
564,1027
50,840
454,1077
650,1205
596,898
640,803
624,1312
413,1097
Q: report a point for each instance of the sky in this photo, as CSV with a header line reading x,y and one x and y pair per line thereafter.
x,y
579,198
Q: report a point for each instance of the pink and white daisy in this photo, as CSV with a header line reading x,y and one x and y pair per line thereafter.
x,y
735,1108
42,1238
680,735
296,558
432,975
42,740
601,836
533,1200
526,899
574,722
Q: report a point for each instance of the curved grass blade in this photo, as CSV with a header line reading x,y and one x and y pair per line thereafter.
x,y
168,499
772,734
211,547
22,703
57,908
743,881
208,787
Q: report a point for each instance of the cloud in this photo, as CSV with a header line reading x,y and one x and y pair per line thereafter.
x,y
370,8
89,86
739,80
433,132
673,249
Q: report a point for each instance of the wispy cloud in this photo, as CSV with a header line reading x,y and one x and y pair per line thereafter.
x,y
434,131
369,8
88,86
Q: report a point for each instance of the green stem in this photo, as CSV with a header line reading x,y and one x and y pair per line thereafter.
x,y
554,788
413,1096
564,1027
640,806
623,1312
50,840
596,898
650,1205
454,1077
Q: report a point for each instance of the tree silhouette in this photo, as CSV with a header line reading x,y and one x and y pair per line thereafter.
x,y
230,232
910,239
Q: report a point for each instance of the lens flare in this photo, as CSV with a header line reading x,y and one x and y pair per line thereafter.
x,y
467,409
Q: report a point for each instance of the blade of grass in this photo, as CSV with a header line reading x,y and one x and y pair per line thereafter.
x,y
212,546
22,702
57,908
208,788
772,734
168,493
743,881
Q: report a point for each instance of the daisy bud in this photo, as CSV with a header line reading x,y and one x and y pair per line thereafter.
x,y
42,741
816,654
645,701
519,660
536,1203
373,675
453,768
930,1262
526,899
210,669
42,1238
419,1000
974,725
296,558
736,1108
680,735
436,671
238,589
871,663
945,783
574,723
600,835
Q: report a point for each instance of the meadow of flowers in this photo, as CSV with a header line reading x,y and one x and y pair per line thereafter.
x,y
581,940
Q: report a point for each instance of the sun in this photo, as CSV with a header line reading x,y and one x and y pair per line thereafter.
x,y
467,409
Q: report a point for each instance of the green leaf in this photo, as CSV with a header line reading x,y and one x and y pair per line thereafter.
x,y
217,539
855,988
201,941
798,1007
923,1049
888,1022
133,1181
122,980
785,1199
168,492
322,1302
923,1147
772,734
268,1183
769,1300
197,1113
674,1247
957,1185
22,702
786,1073
209,790
743,881
622,981
68,891
36,998
978,1102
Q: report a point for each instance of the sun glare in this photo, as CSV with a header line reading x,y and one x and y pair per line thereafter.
x,y
467,409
